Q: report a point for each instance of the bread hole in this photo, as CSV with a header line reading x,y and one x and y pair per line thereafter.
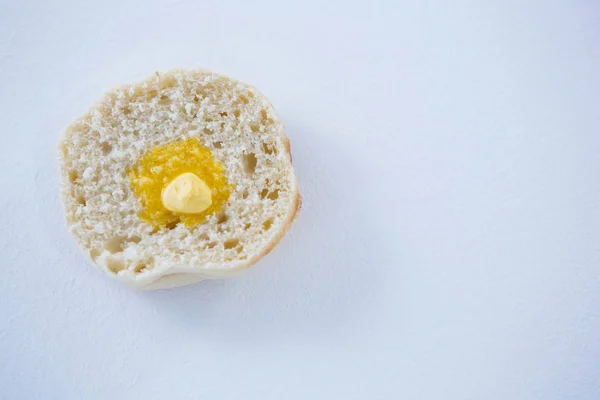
x,y
211,245
231,243
134,239
222,125
263,115
81,200
250,94
223,114
172,225
249,161
267,224
218,145
240,248
265,194
190,128
115,265
203,237
244,99
152,93
245,194
106,148
118,243
222,218
236,113
73,175
207,131
126,110
247,226
254,127
267,149
164,100
94,253
196,99
139,268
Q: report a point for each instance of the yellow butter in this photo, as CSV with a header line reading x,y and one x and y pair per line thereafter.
x,y
159,166
186,194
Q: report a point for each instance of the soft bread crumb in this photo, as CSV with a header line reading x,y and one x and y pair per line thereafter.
x,y
243,131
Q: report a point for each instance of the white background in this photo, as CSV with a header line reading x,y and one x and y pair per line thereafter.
x,y
448,153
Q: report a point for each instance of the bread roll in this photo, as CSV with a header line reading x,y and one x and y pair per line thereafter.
x,y
111,171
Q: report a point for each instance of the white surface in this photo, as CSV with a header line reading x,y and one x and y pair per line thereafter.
x,y
449,244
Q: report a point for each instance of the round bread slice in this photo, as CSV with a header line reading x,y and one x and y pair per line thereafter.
x,y
243,132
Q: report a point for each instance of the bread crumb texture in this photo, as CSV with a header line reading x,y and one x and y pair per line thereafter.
x,y
243,132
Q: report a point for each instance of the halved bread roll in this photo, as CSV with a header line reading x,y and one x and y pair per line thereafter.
x,y
116,160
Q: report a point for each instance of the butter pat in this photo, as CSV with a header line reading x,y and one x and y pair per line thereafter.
x,y
186,194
